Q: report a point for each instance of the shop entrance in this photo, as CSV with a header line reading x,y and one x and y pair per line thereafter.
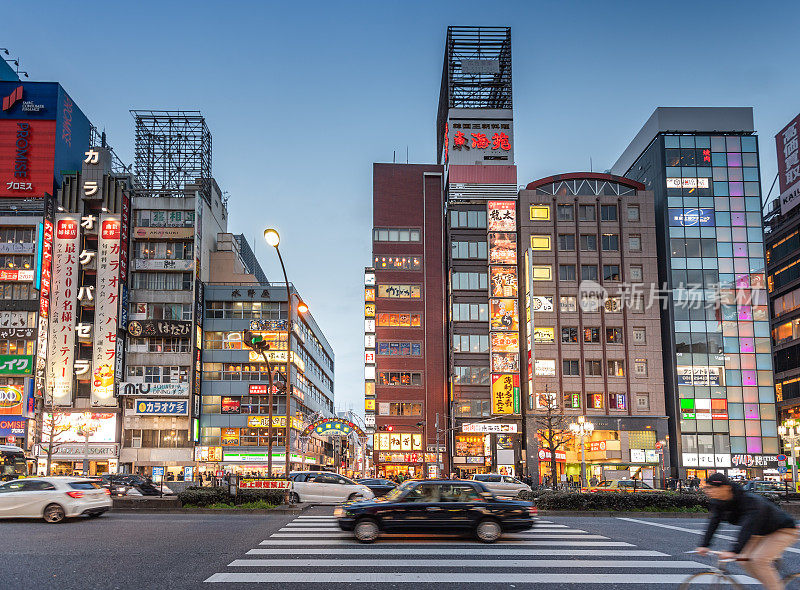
x,y
406,471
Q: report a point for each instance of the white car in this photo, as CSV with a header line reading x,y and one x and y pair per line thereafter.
x,y
53,498
322,487
501,485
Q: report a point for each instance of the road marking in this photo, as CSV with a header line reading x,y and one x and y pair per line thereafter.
x,y
415,550
453,577
280,539
477,563
685,530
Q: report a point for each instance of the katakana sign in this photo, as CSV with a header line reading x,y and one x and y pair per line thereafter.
x,y
158,407
105,314
332,427
11,364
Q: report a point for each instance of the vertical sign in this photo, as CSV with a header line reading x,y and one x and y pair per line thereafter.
x,y
786,142
369,348
105,311
44,276
62,310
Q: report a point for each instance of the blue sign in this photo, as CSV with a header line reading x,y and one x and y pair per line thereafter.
x,y
692,217
188,473
158,472
12,426
156,407
783,469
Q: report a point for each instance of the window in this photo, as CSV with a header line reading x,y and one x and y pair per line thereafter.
x,y
400,378
566,242
542,272
405,409
18,291
390,234
144,374
472,408
161,345
617,401
613,304
611,272
471,281
635,243
172,311
470,343
17,262
569,335
591,335
572,401
594,368
468,219
470,312
570,368
400,291
17,235
640,367
238,372
610,242
540,212
588,272
471,376
17,346
594,401
608,212
468,249
164,250
398,262
588,243
639,335
568,303
163,281
614,335
540,242
566,213
566,272
399,349
616,368
636,273
633,213
586,213
400,320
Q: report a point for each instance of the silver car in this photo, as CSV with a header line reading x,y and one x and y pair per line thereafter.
x,y
502,485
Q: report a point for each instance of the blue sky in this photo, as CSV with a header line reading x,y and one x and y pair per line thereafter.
x,y
301,98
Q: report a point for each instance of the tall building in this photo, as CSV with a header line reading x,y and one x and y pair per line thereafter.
x,y
405,331
701,164
593,348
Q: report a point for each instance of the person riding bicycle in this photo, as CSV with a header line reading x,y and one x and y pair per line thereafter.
x,y
766,530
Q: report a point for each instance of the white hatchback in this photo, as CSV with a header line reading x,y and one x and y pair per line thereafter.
x,y
501,485
53,498
323,487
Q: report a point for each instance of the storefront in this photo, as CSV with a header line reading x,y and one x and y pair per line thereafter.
x,y
250,462
407,465
72,438
545,466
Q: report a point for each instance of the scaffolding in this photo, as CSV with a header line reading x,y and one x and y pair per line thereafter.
x,y
173,149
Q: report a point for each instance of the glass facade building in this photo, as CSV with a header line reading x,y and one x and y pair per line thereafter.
x,y
715,319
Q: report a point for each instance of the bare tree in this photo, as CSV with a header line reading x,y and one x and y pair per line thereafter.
x,y
552,427
54,424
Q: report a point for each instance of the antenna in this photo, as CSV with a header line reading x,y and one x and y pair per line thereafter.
x,y
394,156
406,154
590,164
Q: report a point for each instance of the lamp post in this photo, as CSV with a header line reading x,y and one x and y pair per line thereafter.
x,y
790,433
582,429
273,238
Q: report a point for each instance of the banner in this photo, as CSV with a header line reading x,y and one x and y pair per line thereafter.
x,y
505,394
165,389
504,314
105,311
502,215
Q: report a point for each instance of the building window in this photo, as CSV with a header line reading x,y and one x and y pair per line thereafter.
x,y
469,281
566,242
16,262
470,343
400,378
161,345
146,374
470,312
591,335
542,272
18,292
586,213
472,408
400,320
540,242
405,409
164,250
642,402
610,272
471,376
569,335
400,291
468,249
566,272
614,335
594,401
468,219
399,349
540,212
610,242
633,212
566,213
163,281
572,401
588,272
640,367
390,234
608,212
636,273
617,401
568,303
635,243
398,262
594,368
239,310
639,335
588,243
616,368
570,368
613,304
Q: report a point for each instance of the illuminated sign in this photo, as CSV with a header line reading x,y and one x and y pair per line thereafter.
x,y
265,484
170,233
105,312
544,368
154,407
502,216
484,140
502,281
151,389
687,183
545,455
13,426
691,217
11,364
544,335
29,149
12,401
504,342
786,142
73,427
503,248
489,427
700,375
541,303
16,275
504,314
505,394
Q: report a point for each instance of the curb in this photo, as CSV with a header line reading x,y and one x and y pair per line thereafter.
x,y
619,513
278,510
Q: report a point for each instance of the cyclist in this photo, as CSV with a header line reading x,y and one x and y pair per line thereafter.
x,y
766,530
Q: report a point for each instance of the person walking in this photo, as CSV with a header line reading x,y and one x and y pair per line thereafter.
x,y
766,530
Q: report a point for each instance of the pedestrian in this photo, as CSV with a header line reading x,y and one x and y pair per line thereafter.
x,y
593,481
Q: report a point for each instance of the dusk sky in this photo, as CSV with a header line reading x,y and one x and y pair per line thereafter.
x,y
302,98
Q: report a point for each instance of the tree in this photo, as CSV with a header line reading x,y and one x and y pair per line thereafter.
x,y
552,427
54,424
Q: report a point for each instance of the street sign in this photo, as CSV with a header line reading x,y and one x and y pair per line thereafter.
x,y
782,469
782,457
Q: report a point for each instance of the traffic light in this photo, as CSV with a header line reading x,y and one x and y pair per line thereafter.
x,y
255,342
386,428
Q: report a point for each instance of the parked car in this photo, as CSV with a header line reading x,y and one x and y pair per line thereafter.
x,y
501,485
115,484
378,486
323,487
53,498
774,490
139,485
438,506
620,485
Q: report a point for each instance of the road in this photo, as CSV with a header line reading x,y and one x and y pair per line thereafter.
x,y
287,552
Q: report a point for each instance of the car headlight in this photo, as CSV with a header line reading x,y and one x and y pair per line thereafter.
x,y
338,513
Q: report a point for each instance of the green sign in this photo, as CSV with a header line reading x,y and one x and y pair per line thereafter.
x,y
12,364
517,400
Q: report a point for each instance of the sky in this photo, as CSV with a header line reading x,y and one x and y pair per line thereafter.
x,y
302,98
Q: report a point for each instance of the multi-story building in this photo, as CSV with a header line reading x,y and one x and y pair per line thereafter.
x,y
406,383
701,164
593,347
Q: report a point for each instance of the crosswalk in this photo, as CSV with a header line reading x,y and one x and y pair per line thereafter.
x,y
313,550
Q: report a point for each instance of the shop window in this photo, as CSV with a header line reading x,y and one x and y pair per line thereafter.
x,y
591,335
617,401
398,262
400,320
572,401
594,401
400,378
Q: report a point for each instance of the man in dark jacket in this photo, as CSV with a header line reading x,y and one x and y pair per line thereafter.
x,y
766,530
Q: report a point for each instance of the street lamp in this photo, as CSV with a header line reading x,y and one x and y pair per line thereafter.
x,y
582,429
273,238
790,433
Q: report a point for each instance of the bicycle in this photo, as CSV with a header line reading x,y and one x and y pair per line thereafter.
x,y
719,576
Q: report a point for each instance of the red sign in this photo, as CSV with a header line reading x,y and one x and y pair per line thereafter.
x,y
27,156
265,484
67,229
13,98
262,389
544,455
110,229
16,275
230,405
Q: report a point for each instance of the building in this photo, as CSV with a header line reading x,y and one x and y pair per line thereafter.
x,y
405,361
701,164
234,421
593,348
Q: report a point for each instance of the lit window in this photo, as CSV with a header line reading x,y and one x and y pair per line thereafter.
x,y
540,242
542,272
540,212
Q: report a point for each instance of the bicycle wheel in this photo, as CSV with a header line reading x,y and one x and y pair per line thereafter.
x,y
792,582
709,580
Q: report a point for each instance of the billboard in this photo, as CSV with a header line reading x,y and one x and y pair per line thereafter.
x,y
503,281
504,341
505,394
502,215
488,141
70,427
105,311
691,217
786,143
27,152
503,248
155,407
504,315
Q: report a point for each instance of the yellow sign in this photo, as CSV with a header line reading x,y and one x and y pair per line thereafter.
x,y
369,405
503,387
277,422
544,335
369,310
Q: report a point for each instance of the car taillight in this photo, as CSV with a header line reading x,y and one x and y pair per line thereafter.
x,y
75,494
107,491
533,510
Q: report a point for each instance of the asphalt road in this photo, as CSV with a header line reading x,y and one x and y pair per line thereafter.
x,y
289,552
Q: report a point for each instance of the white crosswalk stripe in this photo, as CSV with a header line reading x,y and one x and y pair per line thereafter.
x,y
312,550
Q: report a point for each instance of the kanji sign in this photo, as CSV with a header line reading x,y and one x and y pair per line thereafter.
x,y
105,314
265,484
156,407
505,394
502,215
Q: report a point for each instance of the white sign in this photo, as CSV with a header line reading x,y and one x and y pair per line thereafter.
x,y
687,183
637,456
545,368
73,452
105,311
148,264
488,427
541,303
165,389
790,198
